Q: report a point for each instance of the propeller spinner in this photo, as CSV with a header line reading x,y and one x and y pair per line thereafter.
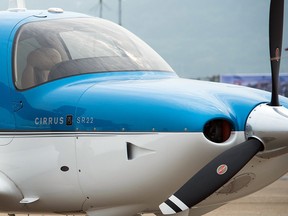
x,y
260,136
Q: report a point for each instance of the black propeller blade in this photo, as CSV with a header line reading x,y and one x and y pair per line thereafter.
x,y
275,36
222,168
211,177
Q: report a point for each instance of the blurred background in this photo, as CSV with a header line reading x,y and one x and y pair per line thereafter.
x,y
200,38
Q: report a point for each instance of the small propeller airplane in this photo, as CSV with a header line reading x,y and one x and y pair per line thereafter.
x,y
93,121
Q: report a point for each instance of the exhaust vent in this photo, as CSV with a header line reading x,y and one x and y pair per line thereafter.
x,y
134,151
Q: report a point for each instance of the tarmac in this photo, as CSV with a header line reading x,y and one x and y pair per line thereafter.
x,y
270,201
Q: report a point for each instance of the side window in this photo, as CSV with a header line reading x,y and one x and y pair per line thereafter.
x,y
87,44
24,48
54,49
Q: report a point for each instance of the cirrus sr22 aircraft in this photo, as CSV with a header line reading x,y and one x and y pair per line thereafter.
x,y
93,121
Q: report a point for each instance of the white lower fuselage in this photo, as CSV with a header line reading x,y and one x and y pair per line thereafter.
x,y
86,172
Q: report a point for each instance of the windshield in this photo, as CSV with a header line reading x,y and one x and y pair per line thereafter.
x,y
49,50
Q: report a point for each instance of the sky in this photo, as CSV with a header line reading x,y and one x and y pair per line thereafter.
x,y
198,38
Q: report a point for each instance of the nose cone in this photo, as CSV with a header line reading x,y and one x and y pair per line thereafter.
x,y
162,105
269,124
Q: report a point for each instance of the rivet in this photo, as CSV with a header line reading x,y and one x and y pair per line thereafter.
x,y
64,168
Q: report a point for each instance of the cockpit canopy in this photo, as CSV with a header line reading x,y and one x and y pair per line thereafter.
x,y
53,49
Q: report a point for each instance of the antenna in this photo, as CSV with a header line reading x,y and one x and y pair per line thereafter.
x,y
120,13
100,8
13,4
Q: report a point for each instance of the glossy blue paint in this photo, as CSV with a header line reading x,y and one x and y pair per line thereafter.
x,y
139,101
134,102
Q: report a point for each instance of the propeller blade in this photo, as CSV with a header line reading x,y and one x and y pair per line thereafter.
x,y
211,177
275,37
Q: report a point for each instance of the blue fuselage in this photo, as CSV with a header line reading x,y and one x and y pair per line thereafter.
x,y
113,101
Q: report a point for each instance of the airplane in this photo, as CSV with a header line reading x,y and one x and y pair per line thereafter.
x,y
93,121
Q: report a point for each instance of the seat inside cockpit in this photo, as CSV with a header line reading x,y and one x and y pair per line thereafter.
x,y
38,66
